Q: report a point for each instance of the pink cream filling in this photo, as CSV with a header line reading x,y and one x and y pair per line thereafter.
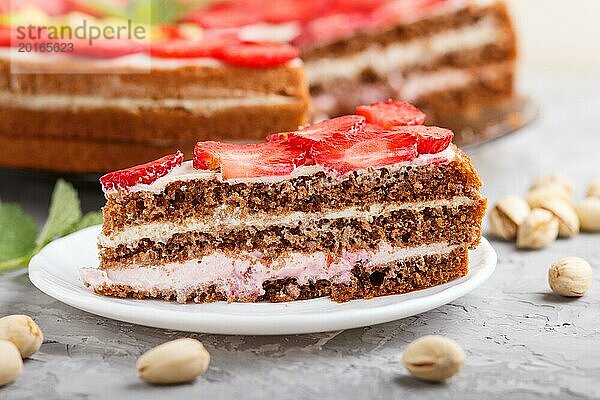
x,y
241,278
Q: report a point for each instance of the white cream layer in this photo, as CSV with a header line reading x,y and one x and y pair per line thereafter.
x,y
242,277
383,60
423,83
139,61
186,172
198,106
162,231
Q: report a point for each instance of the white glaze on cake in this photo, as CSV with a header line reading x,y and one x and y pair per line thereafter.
x,y
186,172
198,106
425,83
39,62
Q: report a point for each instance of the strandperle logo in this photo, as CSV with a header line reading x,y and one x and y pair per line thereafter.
x,y
83,30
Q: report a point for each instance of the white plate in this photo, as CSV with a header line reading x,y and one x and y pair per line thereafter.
x,y
55,271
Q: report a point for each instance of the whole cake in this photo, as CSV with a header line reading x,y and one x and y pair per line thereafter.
x,y
233,71
353,207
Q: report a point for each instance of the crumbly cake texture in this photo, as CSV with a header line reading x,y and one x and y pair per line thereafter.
x,y
398,277
452,58
288,219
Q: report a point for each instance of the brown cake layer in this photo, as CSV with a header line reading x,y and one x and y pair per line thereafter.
x,y
312,193
79,156
415,30
147,126
188,82
99,139
458,108
398,277
410,228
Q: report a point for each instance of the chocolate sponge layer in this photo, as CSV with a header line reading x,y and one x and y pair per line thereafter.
x,y
403,228
319,192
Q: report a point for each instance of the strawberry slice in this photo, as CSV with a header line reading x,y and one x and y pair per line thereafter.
x,y
258,55
356,153
321,131
8,36
331,28
282,11
430,139
145,173
248,160
392,113
209,46
103,48
396,11
169,31
349,6
225,15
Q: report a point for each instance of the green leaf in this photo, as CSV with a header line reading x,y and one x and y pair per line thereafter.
x,y
16,262
65,212
17,232
90,219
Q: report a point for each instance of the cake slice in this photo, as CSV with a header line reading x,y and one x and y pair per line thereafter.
x,y
353,207
237,70
452,58
163,96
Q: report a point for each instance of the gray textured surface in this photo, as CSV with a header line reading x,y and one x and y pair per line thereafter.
x,y
521,341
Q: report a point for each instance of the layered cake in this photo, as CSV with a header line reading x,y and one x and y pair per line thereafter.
x,y
353,207
450,58
105,113
232,70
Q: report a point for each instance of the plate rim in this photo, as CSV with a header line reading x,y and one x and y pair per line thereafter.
x,y
140,311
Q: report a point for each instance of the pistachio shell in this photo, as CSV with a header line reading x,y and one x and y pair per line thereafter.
x,y
560,180
433,358
539,229
23,332
568,221
589,214
506,216
570,276
177,361
11,364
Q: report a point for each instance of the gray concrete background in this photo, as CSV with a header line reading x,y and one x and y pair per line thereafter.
x,y
521,341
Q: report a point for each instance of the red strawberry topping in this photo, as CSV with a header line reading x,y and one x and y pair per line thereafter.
x,y
331,27
258,55
249,160
356,5
322,131
7,36
225,15
364,151
145,173
392,113
209,46
392,12
281,11
430,139
104,48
